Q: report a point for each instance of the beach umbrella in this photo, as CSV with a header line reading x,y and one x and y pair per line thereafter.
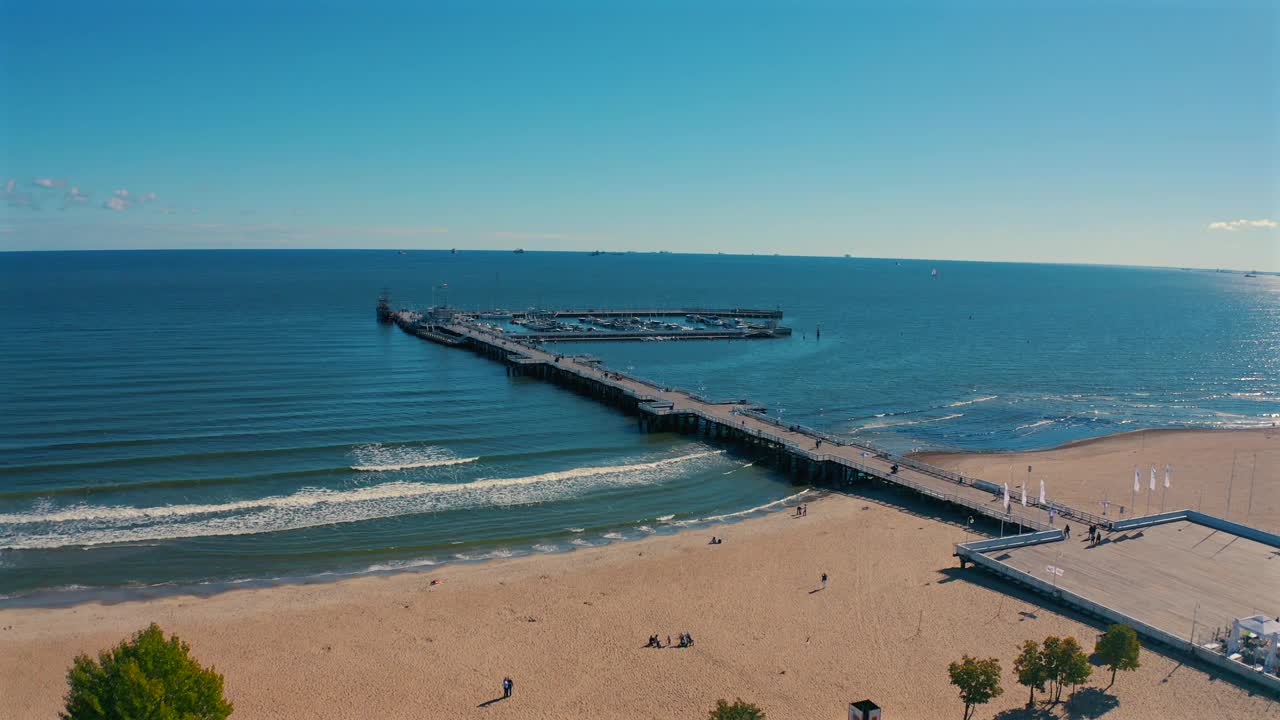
x,y
1166,476
1041,492
1137,479
1024,494
1006,497
1153,478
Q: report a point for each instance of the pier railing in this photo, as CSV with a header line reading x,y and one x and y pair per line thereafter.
x,y
660,406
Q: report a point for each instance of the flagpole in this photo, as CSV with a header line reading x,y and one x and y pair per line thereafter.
x,y
1133,497
1165,492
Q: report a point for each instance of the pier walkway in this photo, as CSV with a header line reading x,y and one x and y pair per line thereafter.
x,y
802,450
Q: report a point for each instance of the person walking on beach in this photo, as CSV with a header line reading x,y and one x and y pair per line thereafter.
x,y
506,687
824,581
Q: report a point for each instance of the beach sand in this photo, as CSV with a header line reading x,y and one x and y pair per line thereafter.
x,y
570,628
1209,467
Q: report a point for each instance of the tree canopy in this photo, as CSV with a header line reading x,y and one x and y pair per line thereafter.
x,y
739,710
1118,649
1030,669
1065,664
978,681
147,677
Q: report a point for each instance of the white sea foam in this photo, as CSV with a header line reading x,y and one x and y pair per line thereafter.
x,y
874,426
665,518
411,465
613,535
400,565
380,458
1035,424
748,511
310,507
971,402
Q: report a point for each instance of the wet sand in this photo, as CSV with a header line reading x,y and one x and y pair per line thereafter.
x,y
570,628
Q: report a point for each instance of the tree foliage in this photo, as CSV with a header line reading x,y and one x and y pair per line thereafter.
x,y
1030,669
1064,663
978,681
1118,649
147,677
739,710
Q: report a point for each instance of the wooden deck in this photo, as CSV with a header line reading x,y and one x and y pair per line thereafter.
x,y
731,415
1167,576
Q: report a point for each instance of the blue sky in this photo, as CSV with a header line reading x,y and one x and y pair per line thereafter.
x,y
1109,132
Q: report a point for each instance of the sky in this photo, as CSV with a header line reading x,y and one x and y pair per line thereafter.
x,y
1143,133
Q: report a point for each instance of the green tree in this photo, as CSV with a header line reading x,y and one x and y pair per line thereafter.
x,y
978,680
1118,649
739,710
147,677
1065,664
1030,669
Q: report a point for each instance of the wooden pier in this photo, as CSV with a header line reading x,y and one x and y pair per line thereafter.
x,y
808,455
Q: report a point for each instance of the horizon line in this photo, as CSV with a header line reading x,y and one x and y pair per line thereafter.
x,y
847,256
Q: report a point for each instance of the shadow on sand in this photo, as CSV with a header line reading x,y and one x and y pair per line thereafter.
x,y
1090,702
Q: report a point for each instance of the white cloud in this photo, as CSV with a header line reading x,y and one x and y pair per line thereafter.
x,y
148,197
9,186
47,182
116,203
1233,225
75,196
121,193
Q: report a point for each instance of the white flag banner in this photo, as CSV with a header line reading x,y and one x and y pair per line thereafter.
x,y
1006,497
1137,479
1041,492
1024,494
1153,478
1166,476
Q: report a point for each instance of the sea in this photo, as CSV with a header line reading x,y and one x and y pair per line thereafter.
x,y
199,420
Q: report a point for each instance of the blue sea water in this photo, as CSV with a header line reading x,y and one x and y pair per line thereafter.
x,y
227,416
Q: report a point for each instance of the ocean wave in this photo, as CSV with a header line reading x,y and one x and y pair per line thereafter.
x,y
387,458
748,511
877,426
312,507
411,465
1036,424
973,401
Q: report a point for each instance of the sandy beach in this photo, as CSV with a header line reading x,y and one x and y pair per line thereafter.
x,y
1233,474
570,628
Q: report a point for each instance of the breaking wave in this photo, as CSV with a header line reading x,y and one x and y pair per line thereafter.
x,y
310,507
380,458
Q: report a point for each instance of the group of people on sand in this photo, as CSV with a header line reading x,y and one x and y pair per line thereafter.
x,y
802,511
685,640
716,540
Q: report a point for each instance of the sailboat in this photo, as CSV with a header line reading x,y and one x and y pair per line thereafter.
x,y
934,274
